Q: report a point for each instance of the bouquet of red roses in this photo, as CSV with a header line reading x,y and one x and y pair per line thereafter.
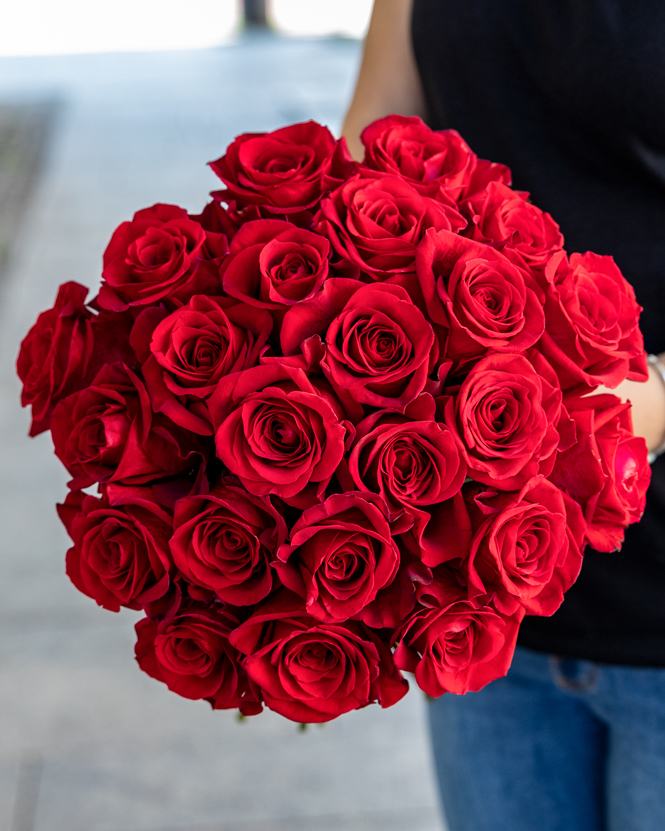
x,y
339,428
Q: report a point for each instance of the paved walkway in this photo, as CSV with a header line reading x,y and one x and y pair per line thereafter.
x,y
87,741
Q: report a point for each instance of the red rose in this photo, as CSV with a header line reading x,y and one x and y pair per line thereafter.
x,y
277,431
606,471
526,547
486,302
313,672
454,644
189,651
504,218
380,346
159,254
187,352
108,433
339,555
412,464
219,228
506,415
281,172
224,541
274,265
55,354
405,146
120,555
592,333
376,222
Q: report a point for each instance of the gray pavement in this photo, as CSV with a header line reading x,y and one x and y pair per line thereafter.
x,y
87,741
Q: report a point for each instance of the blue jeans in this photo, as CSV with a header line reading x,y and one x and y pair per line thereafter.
x,y
557,745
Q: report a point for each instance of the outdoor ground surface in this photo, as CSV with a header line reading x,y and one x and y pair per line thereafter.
x,y
87,741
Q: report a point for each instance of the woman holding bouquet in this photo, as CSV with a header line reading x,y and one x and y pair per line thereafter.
x,y
570,97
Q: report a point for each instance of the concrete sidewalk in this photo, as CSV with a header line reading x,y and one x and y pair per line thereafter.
x,y
87,741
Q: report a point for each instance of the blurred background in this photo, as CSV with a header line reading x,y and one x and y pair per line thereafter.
x,y
106,108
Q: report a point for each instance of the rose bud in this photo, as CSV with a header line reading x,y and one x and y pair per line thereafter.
x,y
313,672
189,651
185,354
55,354
225,540
405,146
274,265
504,218
121,554
108,433
454,644
592,333
526,547
376,222
277,431
159,254
506,415
613,490
340,554
281,172
486,302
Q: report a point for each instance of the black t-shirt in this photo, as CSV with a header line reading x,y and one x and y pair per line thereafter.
x,y
571,95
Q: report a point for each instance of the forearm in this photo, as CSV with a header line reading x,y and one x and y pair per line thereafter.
x,y
388,80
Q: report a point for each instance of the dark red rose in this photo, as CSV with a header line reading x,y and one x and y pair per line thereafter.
x,y
185,353
340,554
405,146
225,540
277,431
121,554
313,672
506,415
379,345
412,464
376,222
159,254
592,333
281,172
454,644
108,433
526,547
189,651
274,265
506,219
486,302
606,471
55,354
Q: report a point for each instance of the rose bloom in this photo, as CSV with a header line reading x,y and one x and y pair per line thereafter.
x,y
506,415
185,353
160,254
277,431
224,541
485,302
310,671
281,172
413,463
108,433
612,491
189,651
592,333
339,555
406,147
55,354
454,644
504,217
526,547
120,555
376,222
